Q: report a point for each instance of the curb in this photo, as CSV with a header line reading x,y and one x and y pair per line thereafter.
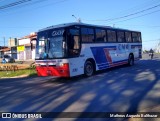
x,y
21,76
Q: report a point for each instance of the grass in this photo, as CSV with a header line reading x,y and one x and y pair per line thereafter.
x,y
27,72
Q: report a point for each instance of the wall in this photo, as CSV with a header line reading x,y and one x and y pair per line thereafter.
x,y
24,41
12,42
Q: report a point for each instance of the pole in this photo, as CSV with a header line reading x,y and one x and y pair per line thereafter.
x,y
4,41
77,19
10,41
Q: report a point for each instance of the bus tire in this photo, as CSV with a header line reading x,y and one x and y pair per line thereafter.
x,y
131,60
88,68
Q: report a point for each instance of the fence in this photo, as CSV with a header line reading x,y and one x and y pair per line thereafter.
x,y
8,67
14,67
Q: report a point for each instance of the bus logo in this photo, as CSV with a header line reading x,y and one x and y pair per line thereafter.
x,y
123,47
57,33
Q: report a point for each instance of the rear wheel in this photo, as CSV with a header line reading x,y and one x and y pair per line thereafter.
x,y
88,68
131,60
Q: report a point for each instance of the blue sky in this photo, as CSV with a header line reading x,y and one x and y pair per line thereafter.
x,y
31,16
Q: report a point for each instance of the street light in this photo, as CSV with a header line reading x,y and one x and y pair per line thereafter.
x,y
77,19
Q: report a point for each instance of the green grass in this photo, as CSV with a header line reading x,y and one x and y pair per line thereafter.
x,y
28,72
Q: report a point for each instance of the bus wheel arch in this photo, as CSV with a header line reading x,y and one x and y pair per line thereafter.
x,y
89,67
131,59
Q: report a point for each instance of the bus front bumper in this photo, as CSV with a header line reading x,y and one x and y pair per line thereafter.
x,y
60,71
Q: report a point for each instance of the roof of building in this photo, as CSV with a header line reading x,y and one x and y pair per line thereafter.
x,y
2,47
29,36
5,49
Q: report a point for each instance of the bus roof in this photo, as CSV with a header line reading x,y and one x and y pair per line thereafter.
x,y
81,24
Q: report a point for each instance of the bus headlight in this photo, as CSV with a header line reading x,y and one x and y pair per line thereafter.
x,y
63,64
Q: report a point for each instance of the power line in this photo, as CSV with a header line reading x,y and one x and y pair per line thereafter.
x,y
34,2
151,40
140,6
24,27
132,14
149,26
138,16
14,4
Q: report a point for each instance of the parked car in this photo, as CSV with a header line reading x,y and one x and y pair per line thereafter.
x,y
8,59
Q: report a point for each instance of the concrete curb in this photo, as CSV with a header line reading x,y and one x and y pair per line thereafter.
x,y
21,76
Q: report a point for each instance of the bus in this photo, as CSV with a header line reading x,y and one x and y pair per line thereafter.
x,y
72,49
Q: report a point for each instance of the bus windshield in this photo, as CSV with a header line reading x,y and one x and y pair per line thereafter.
x,y
56,47
50,44
41,46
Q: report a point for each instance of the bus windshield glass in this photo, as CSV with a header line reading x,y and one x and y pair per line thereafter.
x,y
41,46
50,44
56,47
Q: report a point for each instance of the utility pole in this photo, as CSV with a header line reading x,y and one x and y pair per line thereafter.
x,y
4,41
10,41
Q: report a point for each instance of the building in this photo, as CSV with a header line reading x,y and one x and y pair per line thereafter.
x,y
12,44
25,49
4,50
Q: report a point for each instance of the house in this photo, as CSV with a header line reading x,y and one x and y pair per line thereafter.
x,y
26,50
4,50
12,44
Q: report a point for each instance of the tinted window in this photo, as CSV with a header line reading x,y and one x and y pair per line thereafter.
x,y
120,36
111,36
136,37
100,35
139,37
87,35
74,31
73,42
128,36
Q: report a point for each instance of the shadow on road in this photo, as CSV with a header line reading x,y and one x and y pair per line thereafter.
x,y
124,89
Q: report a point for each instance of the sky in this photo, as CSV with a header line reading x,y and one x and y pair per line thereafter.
x,y
18,20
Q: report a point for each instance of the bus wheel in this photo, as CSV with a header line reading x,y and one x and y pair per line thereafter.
x,y
131,60
88,68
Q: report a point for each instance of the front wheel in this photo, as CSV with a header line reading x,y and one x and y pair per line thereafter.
x,y
88,68
131,60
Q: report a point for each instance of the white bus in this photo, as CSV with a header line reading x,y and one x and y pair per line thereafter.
x,y
73,49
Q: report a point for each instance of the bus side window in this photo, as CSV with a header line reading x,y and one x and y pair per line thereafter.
x,y
135,37
128,36
111,35
100,35
139,37
120,36
87,35
73,42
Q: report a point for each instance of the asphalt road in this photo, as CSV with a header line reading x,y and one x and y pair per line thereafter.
x,y
122,89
